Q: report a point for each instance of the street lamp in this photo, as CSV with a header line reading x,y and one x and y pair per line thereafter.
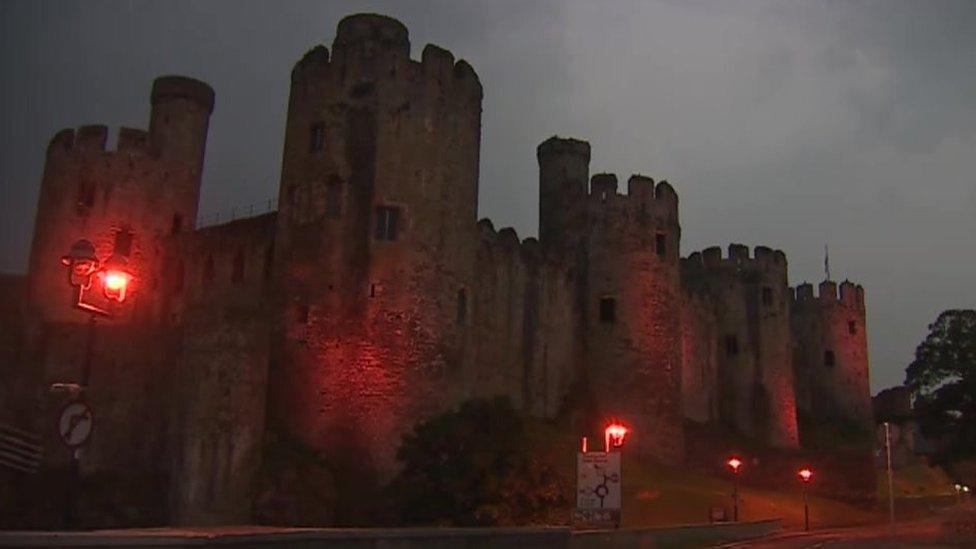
x,y
83,267
806,475
735,464
614,435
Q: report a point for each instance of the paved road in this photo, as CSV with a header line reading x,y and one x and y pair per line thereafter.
x,y
951,528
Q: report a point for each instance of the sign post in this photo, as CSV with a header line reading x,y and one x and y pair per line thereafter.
x,y
75,424
598,481
598,489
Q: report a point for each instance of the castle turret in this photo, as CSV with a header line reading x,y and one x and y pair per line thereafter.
x,y
181,109
631,310
831,353
123,201
375,243
564,167
126,202
742,309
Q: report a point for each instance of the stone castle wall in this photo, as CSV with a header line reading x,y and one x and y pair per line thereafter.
x,y
217,309
633,357
749,302
523,321
830,356
374,298
376,244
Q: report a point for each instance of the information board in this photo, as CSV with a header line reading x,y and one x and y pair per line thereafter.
x,y
598,489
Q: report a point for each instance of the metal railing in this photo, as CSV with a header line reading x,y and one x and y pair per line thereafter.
x,y
237,212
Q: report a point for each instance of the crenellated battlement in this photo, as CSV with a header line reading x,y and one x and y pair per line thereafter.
x,y
507,241
504,239
737,259
221,262
370,48
170,87
644,207
94,139
828,292
365,33
556,145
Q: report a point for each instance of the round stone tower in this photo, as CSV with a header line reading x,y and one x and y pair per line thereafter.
x,y
564,168
831,352
748,299
375,244
632,311
127,202
123,201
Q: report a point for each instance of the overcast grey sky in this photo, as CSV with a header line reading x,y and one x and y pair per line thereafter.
x,y
790,124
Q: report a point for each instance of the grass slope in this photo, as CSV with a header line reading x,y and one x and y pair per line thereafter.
x,y
658,495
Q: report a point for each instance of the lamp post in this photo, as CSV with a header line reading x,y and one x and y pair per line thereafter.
x,y
614,435
806,475
613,439
735,464
891,483
83,268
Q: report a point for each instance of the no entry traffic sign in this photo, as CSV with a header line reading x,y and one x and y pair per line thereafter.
x,y
75,424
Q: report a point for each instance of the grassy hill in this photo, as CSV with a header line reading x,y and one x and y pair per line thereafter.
x,y
658,495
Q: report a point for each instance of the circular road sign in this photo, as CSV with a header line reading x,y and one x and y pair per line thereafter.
x,y
75,424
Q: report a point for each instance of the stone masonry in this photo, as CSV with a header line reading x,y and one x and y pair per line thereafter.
x,y
374,297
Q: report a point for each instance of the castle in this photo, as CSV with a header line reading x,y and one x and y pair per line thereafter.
x,y
373,297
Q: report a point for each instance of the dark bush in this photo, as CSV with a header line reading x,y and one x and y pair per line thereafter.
x,y
474,467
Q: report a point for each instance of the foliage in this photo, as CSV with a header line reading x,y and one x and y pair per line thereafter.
x,y
943,380
474,467
294,486
833,434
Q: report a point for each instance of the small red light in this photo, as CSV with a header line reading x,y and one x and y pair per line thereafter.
x,y
805,474
615,434
734,463
116,283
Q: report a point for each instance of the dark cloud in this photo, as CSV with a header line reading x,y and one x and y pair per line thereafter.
x,y
792,124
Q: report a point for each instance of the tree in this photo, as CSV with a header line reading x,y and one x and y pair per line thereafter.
x,y
474,467
943,380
